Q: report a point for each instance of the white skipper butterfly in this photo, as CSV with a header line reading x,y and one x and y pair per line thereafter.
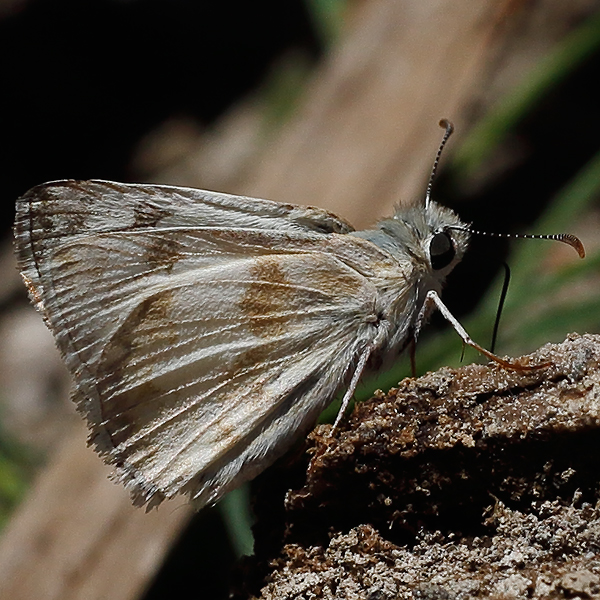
x,y
205,331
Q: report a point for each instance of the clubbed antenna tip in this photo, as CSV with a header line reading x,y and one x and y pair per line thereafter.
x,y
572,240
448,126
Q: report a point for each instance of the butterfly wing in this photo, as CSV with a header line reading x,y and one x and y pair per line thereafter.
x,y
202,330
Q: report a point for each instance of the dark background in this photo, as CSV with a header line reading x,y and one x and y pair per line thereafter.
x,y
82,82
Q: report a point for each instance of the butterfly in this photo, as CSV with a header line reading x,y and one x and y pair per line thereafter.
x,y
205,332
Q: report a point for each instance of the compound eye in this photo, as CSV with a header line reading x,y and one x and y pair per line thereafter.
x,y
441,251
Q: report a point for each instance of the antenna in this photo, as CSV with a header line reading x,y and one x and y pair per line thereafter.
x,y
566,238
449,130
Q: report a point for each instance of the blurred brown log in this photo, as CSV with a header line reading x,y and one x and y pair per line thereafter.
x,y
365,136
363,139
78,536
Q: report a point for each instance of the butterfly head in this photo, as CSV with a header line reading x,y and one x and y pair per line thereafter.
x,y
446,238
433,238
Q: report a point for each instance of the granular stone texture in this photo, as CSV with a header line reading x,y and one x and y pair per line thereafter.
x,y
476,482
552,552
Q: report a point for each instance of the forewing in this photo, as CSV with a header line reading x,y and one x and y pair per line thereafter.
x,y
198,350
106,206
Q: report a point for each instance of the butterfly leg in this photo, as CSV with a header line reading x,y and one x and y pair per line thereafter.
x,y
433,300
360,367
412,350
